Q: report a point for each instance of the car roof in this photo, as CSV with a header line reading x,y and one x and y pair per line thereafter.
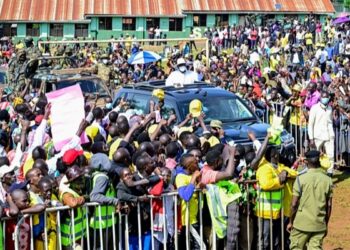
x,y
187,92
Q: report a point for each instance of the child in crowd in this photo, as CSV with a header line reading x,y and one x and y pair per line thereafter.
x,y
163,211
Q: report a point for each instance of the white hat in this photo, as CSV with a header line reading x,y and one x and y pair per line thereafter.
x,y
4,169
180,61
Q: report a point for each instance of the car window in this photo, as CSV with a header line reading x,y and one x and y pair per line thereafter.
x,y
140,102
167,110
223,109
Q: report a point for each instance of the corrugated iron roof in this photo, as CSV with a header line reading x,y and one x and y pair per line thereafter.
x,y
76,10
304,6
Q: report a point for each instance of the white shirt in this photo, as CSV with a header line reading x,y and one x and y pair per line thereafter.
x,y
320,123
178,78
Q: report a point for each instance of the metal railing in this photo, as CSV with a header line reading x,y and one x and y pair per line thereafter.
x,y
122,238
299,131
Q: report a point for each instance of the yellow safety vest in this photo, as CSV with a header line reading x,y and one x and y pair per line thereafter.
x,y
269,204
67,226
103,219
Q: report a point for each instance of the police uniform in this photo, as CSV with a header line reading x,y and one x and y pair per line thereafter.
x,y
314,189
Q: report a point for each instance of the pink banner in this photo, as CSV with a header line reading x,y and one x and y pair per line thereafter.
x,y
67,112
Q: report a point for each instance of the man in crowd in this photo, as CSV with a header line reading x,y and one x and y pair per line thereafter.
x,y
320,128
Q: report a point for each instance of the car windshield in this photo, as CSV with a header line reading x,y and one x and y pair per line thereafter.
x,y
91,86
223,109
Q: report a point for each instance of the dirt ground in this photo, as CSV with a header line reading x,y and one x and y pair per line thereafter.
x,y
338,237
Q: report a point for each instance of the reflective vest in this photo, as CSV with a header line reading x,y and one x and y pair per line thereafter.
x,y
269,204
67,225
104,219
218,199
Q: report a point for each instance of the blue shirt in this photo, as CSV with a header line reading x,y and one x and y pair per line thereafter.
x,y
330,52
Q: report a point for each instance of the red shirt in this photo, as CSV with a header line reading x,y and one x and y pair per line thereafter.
x,y
253,35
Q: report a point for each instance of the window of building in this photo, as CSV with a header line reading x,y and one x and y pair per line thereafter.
x,y
200,20
56,29
33,29
152,22
105,23
8,29
175,24
129,23
268,19
81,30
221,20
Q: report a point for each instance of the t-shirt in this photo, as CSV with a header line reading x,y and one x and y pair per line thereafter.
x,y
183,180
208,175
308,38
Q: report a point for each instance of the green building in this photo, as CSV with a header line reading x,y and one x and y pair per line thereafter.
x,y
102,19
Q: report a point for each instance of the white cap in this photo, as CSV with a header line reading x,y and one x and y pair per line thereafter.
x,y
181,61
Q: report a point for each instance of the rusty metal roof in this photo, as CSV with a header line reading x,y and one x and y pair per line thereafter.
x,y
294,6
77,10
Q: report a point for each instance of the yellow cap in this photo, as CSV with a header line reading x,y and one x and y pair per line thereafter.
x,y
152,128
92,131
159,93
184,129
17,101
297,88
195,107
216,124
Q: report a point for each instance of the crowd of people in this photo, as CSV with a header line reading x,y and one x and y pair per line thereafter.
x,y
297,70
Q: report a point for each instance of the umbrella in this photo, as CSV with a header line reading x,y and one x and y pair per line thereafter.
x,y
341,20
144,57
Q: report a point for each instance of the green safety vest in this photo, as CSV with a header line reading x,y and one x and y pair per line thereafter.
x,y
106,211
79,223
269,204
218,198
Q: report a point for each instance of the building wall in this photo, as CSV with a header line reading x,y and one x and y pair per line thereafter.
x,y
140,31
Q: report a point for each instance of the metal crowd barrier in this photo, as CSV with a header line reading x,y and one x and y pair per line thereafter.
x,y
120,227
300,133
342,141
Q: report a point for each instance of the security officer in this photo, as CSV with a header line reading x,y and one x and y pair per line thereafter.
x,y
311,206
70,61
105,70
33,52
16,70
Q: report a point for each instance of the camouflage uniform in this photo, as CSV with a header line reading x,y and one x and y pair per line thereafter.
x,y
105,72
68,61
16,70
32,51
